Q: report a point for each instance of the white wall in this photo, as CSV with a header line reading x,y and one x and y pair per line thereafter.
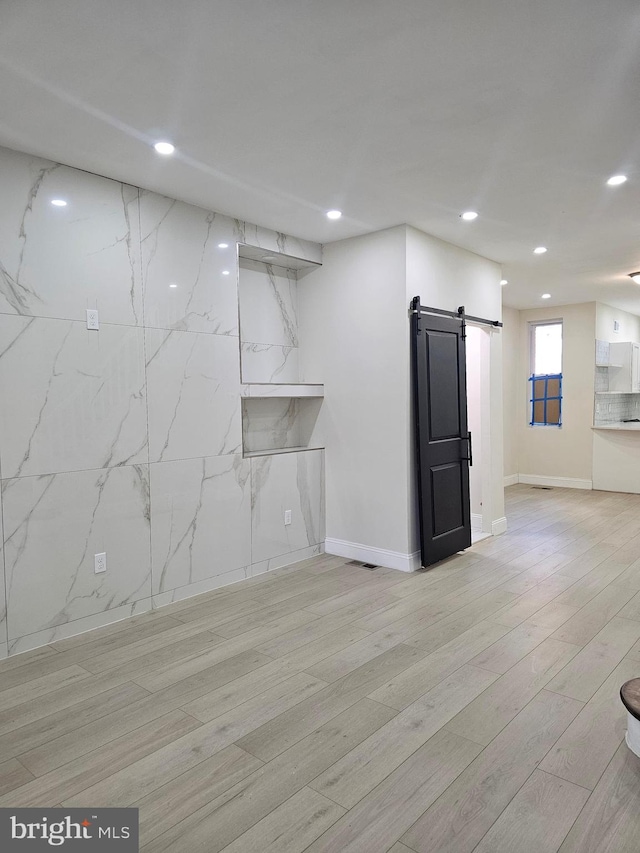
x,y
474,412
354,331
629,324
352,317
128,439
512,390
562,453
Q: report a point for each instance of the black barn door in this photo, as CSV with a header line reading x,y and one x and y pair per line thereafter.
x,y
442,440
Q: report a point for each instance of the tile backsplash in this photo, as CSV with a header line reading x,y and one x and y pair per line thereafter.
x,y
602,352
614,408
602,379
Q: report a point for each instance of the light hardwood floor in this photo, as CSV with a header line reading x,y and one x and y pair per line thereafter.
x,y
327,707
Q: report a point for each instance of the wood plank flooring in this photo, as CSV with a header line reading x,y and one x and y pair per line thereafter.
x,y
332,709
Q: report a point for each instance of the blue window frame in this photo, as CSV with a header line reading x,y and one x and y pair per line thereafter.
x,y
546,399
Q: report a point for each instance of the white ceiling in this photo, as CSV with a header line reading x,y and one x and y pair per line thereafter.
x,y
407,111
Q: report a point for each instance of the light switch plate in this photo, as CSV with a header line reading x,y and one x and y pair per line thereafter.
x,y
92,319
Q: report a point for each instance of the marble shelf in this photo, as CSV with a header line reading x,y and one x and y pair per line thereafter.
x,y
598,393
626,427
250,454
261,390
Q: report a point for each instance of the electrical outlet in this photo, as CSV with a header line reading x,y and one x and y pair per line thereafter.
x,y
100,563
92,319
287,516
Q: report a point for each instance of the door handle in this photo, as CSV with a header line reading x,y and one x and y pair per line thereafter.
x,y
468,458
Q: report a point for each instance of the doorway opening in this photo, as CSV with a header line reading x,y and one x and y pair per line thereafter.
x,y
479,419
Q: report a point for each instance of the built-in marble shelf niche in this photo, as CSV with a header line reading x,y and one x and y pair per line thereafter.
x,y
278,425
279,409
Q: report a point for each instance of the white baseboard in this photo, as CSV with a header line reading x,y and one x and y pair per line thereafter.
x,y
377,556
499,526
476,521
510,480
555,482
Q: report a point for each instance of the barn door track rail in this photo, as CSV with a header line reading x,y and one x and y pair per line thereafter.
x,y
460,314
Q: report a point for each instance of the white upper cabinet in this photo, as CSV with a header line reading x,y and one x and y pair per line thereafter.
x,y
626,378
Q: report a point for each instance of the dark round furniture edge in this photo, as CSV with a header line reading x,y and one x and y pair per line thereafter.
x,y
632,703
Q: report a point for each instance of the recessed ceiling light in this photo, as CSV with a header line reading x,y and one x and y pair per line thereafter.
x,y
334,214
616,180
546,296
225,272
223,245
469,215
635,276
173,285
58,202
165,148
503,282
540,250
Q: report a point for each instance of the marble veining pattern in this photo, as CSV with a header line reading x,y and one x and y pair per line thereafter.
x,y
54,524
201,517
190,280
72,398
83,413
276,241
271,424
270,363
193,386
268,304
59,261
289,481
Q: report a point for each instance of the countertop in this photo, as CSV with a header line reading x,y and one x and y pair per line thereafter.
x,y
632,427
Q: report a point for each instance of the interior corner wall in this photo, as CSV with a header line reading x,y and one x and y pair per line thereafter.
x,y
562,455
511,390
352,320
629,324
354,332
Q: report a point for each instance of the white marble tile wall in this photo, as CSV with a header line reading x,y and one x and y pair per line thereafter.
x,y
59,261
271,424
201,517
293,481
72,399
193,386
270,363
54,524
188,267
268,323
276,241
128,439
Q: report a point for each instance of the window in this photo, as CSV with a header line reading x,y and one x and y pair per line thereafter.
x,y
546,374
